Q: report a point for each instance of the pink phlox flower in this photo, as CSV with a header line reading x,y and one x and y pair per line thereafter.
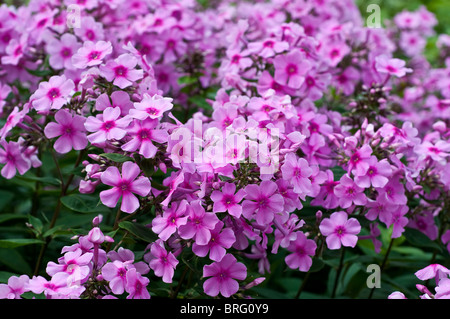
x,y
199,224
221,239
224,276
301,250
262,202
127,256
76,265
326,196
393,193
349,193
124,186
291,198
398,220
119,99
136,286
15,50
162,261
340,230
297,171
70,129
122,71
91,54
116,273
89,30
438,151
377,174
435,271
52,94
268,48
107,126
172,218
425,222
358,162
57,288
291,68
333,52
151,107
391,66
62,50
142,134
286,230
259,252
443,289
228,200
12,156
16,286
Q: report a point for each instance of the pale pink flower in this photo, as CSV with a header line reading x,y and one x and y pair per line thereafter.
x,y
91,54
107,126
339,230
52,94
121,71
151,107
124,186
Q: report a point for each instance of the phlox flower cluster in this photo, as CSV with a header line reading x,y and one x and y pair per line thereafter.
x,y
311,109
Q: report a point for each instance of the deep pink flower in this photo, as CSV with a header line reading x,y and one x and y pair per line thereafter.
x,y
151,107
340,230
301,250
228,200
221,239
199,224
161,261
262,202
89,30
224,276
268,48
70,129
142,134
349,193
171,220
56,288
326,196
124,186
334,51
121,71
297,171
52,94
12,156
15,287
107,126
91,54
62,50
291,68
15,50
136,286
358,163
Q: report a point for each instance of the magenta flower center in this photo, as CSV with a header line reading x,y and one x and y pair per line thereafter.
x,y
152,111
94,55
392,69
235,59
340,231
228,200
108,125
372,171
66,52
268,44
291,69
144,134
120,70
53,93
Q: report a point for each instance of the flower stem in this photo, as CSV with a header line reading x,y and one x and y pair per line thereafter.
x,y
338,273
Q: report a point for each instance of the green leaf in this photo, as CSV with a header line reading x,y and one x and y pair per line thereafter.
x,y
83,203
118,158
138,230
13,243
14,260
200,102
6,217
419,239
40,73
5,198
186,80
